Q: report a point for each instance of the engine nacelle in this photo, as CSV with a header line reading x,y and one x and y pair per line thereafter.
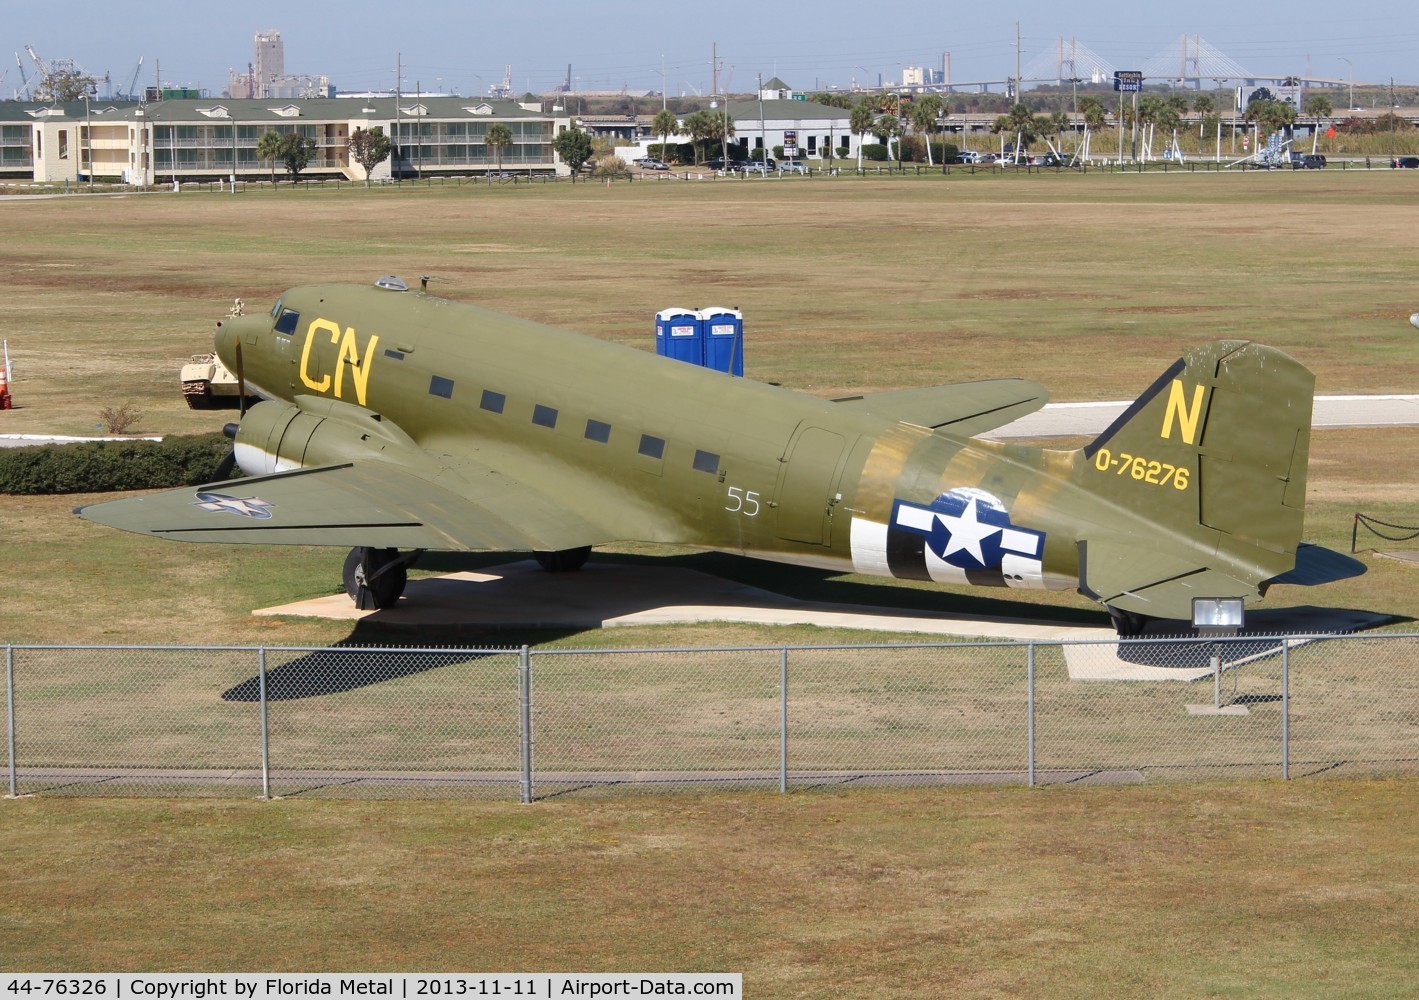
x,y
278,437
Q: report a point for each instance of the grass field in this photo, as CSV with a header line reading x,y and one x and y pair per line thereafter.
x,y
1244,890
1091,285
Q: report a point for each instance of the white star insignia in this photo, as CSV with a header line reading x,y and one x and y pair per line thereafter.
x,y
217,503
967,532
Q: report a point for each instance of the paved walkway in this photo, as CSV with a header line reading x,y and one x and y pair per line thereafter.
x,y
1089,419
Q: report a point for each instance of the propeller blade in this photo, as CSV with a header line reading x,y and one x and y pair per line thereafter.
x,y
227,466
241,379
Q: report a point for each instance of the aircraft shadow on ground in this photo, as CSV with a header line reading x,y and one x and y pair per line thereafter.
x,y
799,583
358,661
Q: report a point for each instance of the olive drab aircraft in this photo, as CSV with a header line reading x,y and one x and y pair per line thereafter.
x,y
395,422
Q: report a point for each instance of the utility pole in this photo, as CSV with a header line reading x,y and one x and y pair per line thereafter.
x,y
398,139
763,141
1017,62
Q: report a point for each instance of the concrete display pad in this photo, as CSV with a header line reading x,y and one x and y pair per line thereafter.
x,y
606,595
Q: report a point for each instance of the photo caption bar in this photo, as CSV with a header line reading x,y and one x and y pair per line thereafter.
x,y
404,986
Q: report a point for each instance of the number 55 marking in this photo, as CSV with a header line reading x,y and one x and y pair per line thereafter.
x,y
741,502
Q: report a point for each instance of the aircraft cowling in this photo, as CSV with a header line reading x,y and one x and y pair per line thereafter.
x,y
278,437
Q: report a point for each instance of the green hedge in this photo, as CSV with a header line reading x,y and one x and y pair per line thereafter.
x,y
103,466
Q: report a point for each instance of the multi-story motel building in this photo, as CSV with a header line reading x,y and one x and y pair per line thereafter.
x,y
211,139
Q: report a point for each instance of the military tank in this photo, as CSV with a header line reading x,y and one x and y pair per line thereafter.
x,y
207,384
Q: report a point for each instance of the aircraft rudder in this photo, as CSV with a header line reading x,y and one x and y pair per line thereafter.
x,y
1215,448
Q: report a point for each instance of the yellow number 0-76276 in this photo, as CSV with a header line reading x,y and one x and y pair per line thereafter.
x,y
1142,469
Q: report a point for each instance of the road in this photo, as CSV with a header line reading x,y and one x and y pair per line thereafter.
x,y
1088,419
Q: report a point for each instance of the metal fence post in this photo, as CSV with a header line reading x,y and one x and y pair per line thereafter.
x,y
1030,701
524,725
1285,709
10,713
783,722
265,730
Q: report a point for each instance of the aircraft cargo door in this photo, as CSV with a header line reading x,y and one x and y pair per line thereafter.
x,y
807,485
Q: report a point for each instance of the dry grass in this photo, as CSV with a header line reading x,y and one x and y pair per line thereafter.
x,y
1088,284
1247,890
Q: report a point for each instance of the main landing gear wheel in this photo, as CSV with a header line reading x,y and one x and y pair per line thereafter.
x,y
374,578
564,561
1128,624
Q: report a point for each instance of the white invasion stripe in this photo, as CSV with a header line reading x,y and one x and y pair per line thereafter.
x,y
941,571
917,518
869,547
1025,543
1029,571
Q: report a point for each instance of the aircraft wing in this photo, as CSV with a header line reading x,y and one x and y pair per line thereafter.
x,y
964,409
360,503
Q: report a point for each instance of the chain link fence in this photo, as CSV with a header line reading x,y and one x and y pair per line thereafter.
x,y
526,725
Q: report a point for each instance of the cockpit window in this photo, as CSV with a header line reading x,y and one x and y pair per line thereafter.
x,y
287,322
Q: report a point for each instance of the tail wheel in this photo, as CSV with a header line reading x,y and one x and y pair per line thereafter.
x,y
375,578
563,561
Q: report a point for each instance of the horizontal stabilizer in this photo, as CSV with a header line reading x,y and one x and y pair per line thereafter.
x,y
1151,582
963,409
1316,564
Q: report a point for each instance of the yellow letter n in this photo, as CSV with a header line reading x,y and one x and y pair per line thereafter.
x,y
1187,415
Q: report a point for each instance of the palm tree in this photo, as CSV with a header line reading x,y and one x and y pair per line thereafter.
x,y
665,125
1058,122
924,114
268,147
887,128
499,137
698,125
860,121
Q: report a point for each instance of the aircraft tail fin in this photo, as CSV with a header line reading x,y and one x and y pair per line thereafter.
x,y
1207,471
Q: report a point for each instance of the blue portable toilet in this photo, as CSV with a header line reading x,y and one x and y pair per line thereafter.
x,y
678,335
724,339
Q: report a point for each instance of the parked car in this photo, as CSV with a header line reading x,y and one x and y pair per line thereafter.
x,y
755,167
650,163
793,167
1051,160
1307,161
720,163
1406,162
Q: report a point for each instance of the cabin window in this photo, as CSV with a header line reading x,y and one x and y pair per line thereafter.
x,y
493,401
706,461
598,431
544,416
652,446
440,386
287,322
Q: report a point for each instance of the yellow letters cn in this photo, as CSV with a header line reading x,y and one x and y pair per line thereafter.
x,y
348,353
1187,415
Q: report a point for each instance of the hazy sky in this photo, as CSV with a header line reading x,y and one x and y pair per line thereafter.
x,y
464,46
